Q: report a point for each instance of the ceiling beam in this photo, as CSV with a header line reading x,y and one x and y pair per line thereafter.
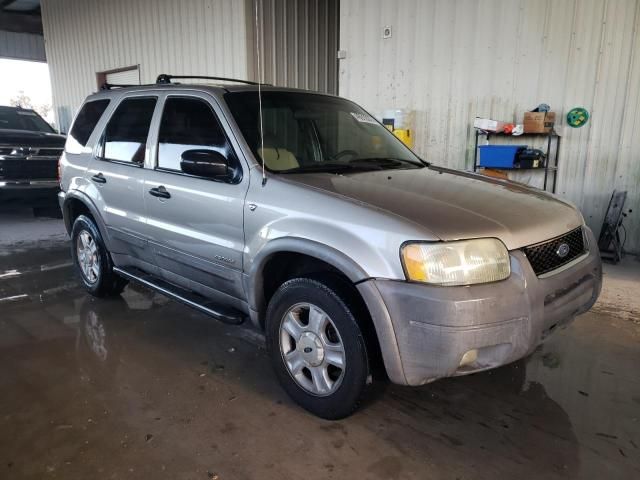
x,y
20,22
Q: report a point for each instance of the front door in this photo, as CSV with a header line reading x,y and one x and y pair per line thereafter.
x,y
195,224
116,174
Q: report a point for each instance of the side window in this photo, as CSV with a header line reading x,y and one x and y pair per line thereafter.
x,y
84,124
188,124
125,137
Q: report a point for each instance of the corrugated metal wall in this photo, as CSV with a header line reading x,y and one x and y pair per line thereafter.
x,y
452,60
206,37
299,42
22,46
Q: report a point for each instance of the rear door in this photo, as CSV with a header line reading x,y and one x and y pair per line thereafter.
x,y
116,174
196,231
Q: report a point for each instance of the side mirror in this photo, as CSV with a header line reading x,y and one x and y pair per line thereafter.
x,y
205,163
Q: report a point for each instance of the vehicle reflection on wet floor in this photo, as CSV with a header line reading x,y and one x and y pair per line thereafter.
x,y
141,386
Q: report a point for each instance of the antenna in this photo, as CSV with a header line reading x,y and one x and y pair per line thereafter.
x,y
260,80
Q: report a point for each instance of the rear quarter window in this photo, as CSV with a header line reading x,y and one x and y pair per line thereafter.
x,y
85,123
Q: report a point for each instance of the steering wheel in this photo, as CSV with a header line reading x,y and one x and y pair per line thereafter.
x,y
341,154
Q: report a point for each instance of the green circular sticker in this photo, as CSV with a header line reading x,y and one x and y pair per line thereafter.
x,y
577,117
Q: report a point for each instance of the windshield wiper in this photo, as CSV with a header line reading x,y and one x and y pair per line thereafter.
x,y
357,164
330,168
385,162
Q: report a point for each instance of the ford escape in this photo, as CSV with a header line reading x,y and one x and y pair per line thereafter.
x,y
301,214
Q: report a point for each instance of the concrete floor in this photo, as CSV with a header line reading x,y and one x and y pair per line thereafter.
x,y
20,229
142,387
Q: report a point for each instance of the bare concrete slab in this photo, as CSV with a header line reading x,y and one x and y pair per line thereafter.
x,y
20,229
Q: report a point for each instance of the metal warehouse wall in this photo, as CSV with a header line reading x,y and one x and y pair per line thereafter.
x,y
299,43
22,46
453,60
206,37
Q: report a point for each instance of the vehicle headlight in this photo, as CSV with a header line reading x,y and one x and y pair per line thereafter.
x,y
456,263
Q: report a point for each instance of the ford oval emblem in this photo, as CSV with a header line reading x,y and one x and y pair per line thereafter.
x,y
562,250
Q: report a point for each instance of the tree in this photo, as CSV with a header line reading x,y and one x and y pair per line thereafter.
x,y
21,100
43,110
24,101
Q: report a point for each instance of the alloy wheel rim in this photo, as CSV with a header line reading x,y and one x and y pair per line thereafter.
x,y
88,258
312,349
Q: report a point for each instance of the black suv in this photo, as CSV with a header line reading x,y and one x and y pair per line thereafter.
x,y
29,153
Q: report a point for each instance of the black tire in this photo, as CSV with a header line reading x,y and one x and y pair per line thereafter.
x,y
335,301
106,283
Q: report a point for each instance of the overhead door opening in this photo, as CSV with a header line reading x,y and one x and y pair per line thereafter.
x,y
119,76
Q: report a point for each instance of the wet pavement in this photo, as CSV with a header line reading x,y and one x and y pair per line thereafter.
x,y
142,387
19,227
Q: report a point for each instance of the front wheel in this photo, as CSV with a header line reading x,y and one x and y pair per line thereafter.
x,y
316,347
92,260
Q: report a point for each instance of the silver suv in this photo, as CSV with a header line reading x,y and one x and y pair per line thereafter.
x,y
301,213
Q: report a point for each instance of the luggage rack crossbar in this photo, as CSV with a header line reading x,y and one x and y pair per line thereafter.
x,y
165,78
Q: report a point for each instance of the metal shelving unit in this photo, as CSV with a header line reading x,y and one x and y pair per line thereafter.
x,y
547,167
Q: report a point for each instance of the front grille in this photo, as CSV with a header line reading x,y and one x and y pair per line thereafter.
x,y
31,152
28,169
544,257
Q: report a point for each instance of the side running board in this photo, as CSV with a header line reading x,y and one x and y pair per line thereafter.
x,y
187,297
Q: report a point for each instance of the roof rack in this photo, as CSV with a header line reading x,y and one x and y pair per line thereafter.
x,y
164,78
109,86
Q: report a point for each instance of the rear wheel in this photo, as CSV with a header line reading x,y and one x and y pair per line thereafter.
x,y
92,260
317,348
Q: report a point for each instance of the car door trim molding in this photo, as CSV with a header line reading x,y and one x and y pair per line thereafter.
x,y
198,263
127,237
176,172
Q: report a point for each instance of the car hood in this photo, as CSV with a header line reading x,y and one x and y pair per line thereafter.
x,y
28,138
455,205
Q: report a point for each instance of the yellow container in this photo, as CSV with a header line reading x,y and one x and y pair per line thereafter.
x,y
405,136
400,122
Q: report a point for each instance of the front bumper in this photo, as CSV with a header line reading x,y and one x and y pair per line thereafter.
x,y
32,193
425,331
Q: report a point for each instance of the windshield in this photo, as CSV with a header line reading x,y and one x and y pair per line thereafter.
x,y
22,119
309,132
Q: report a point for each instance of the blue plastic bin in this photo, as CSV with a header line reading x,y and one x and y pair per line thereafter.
x,y
498,156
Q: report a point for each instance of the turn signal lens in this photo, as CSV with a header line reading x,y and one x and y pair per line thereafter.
x,y
465,262
414,264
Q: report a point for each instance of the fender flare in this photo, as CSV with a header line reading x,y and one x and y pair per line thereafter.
x,y
254,280
95,213
355,273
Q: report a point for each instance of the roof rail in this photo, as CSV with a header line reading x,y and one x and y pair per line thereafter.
x,y
165,78
109,86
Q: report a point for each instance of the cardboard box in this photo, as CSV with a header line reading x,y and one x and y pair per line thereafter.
x,y
488,125
539,122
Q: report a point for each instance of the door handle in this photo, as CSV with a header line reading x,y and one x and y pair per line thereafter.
x,y
99,178
160,192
